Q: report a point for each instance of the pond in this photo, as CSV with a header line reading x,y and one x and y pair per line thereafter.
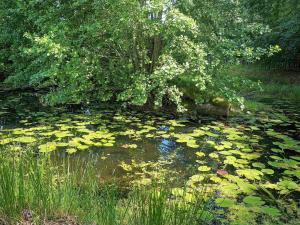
x,y
244,159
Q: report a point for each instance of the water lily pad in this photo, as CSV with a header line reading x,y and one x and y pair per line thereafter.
x,y
62,144
204,168
48,147
213,155
270,211
230,160
108,144
276,150
219,147
25,139
253,201
200,154
63,134
246,187
242,161
295,173
246,150
192,144
287,185
250,156
226,144
250,174
215,179
285,163
82,147
258,165
275,157
268,171
71,150
197,178
211,134
225,153
295,158
177,123
225,202
197,133
5,141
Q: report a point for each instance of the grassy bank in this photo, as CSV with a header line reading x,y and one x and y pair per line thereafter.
x,y
273,84
250,82
34,190
278,84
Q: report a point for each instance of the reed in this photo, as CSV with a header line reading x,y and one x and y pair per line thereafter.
x,y
43,191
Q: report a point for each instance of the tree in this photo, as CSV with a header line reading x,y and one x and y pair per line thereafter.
x,y
283,18
124,50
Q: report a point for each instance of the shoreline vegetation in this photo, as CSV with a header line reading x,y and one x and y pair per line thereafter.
x,y
33,190
270,84
149,112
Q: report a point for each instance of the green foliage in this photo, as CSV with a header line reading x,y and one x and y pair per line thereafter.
x,y
253,201
124,50
284,21
227,30
45,191
250,162
225,202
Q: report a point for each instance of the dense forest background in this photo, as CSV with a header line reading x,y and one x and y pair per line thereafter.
x,y
143,51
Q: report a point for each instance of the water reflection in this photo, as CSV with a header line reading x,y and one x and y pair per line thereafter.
x,y
166,145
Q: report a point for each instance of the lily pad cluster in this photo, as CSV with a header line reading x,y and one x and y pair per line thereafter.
x,y
251,162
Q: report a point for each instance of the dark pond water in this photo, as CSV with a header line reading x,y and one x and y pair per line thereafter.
x,y
239,156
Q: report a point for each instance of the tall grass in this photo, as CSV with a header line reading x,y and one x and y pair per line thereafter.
x,y
274,83
34,184
285,91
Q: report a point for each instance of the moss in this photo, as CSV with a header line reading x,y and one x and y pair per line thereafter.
x,y
221,102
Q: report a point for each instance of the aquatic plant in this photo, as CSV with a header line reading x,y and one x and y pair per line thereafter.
x,y
252,157
44,191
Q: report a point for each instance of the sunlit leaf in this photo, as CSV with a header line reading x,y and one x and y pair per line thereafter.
x,y
225,202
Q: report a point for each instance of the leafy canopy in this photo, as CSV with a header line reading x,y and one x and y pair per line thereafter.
x,y
123,50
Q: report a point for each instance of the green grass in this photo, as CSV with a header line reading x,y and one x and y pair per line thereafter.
x,y
253,82
275,84
269,84
33,184
254,105
282,90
